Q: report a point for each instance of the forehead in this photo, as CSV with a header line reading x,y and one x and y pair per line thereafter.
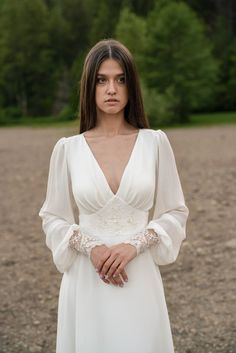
x,y
110,66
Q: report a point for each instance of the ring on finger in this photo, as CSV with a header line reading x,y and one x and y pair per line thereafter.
x,y
115,273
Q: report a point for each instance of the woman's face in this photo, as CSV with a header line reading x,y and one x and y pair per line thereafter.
x,y
111,93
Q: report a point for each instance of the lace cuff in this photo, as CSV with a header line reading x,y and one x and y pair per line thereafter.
x,y
144,240
83,243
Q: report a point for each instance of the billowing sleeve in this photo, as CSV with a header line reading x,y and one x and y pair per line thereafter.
x,y
169,212
58,221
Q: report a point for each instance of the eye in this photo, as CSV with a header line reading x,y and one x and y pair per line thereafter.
x,y
101,80
121,79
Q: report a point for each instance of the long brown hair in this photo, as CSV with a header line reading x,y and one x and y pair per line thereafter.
x,y
110,49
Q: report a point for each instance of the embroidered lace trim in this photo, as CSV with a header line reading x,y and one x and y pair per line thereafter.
x,y
144,240
83,243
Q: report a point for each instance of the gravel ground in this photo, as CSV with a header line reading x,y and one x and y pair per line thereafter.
x,y
200,286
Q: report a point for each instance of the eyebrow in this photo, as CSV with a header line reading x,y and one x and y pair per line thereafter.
x,y
104,75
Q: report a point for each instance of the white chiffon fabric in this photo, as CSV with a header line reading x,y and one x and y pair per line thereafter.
x,y
95,317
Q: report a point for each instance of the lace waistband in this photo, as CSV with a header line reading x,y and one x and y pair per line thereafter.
x,y
118,220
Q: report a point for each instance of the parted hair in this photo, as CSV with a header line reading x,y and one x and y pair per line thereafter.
x,y
110,49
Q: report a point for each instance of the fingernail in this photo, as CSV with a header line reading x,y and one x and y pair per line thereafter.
x,y
126,279
121,285
101,276
96,269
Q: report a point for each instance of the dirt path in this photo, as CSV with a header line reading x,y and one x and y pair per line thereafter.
x,y
200,287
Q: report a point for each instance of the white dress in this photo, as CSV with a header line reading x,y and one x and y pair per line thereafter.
x,y
95,317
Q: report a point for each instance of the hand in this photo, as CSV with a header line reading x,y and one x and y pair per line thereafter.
x,y
99,254
120,256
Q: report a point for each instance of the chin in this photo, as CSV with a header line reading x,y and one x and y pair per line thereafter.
x,y
114,111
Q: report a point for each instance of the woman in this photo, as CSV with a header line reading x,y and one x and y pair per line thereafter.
x,y
122,177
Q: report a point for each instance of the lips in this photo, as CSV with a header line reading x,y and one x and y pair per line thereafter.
x,y
112,100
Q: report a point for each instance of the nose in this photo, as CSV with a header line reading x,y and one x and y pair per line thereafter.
x,y
111,89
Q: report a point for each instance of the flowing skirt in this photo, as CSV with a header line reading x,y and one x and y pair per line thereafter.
x,y
95,317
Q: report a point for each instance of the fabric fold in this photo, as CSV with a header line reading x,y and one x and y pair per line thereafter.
x,y
170,212
57,214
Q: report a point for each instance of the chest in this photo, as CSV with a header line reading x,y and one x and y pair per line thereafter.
x,y
112,156
130,176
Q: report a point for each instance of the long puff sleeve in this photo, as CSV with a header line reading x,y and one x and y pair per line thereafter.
x,y
169,213
63,236
58,221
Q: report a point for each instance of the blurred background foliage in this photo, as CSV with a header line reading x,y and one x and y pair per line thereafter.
x,y
185,52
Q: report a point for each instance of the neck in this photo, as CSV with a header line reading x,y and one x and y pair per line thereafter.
x,y
110,125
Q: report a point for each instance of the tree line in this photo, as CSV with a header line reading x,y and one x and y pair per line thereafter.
x,y
185,52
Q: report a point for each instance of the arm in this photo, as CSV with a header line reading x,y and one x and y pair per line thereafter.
x,y
170,212
143,240
167,227
57,214
83,243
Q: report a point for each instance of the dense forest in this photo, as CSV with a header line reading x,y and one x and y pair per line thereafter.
x,y
185,52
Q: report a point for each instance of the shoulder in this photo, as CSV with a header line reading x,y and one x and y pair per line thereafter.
x,y
158,141
157,136
67,141
64,145
153,132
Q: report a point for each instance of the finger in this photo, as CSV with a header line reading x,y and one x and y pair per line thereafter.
x,y
124,276
120,270
106,266
116,281
113,281
104,279
101,262
113,268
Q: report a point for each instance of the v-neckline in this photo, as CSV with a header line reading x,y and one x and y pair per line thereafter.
x,y
125,169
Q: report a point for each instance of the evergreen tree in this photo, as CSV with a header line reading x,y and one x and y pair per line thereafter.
x,y
26,76
139,7
128,29
178,58
59,32
101,26
231,84
105,20
78,17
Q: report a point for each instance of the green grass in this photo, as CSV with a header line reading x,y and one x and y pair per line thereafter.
x,y
39,122
207,119
214,118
